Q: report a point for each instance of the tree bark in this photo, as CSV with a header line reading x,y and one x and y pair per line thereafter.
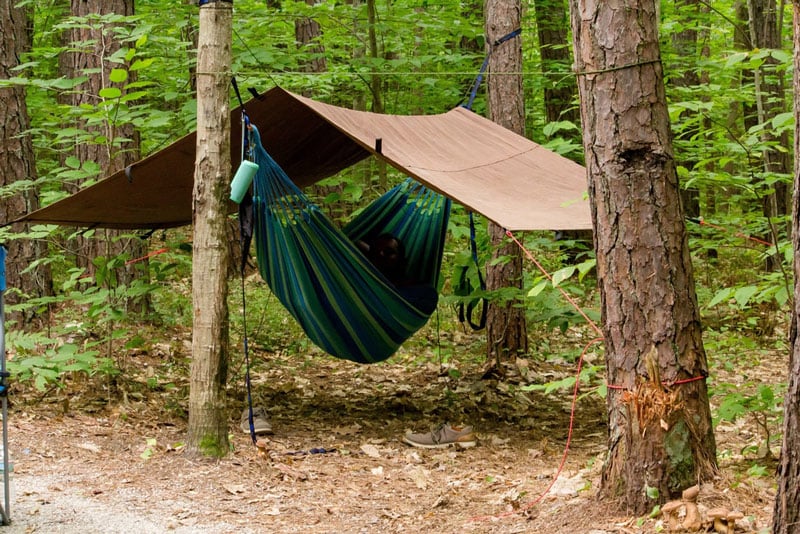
x,y
560,90
685,44
189,34
307,33
94,44
506,330
660,433
765,34
208,425
786,516
17,163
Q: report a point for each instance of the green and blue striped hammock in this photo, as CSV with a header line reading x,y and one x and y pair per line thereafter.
x,y
342,301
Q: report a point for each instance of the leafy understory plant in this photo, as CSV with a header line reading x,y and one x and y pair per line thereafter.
x,y
763,406
44,361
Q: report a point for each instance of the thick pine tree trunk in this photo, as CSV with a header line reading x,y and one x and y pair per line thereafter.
x,y
506,331
660,433
17,163
786,518
208,425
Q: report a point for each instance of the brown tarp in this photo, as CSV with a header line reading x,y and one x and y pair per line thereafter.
x,y
505,177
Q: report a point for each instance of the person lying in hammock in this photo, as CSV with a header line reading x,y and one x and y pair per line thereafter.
x,y
387,253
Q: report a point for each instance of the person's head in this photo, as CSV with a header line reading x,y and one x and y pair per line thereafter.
x,y
388,255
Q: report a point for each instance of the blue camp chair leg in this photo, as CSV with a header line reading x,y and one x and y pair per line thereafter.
x,y
4,509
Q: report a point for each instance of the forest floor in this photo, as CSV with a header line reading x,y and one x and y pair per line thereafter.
x,y
89,461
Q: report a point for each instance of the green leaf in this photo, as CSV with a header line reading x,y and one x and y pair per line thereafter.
x,y
562,274
743,295
767,394
537,289
733,59
781,55
722,295
783,120
141,64
66,83
781,295
731,407
117,76
586,267
40,383
110,93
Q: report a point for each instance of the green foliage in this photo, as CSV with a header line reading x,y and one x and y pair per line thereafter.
x,y
591,380
150,449
44,361
764,401
427,58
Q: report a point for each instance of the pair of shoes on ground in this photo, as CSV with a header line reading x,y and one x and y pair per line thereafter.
x,y
261,423
443,436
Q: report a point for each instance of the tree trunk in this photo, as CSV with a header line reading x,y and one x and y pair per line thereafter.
x,y
94,43
208,425
375,83
189,34
660,433
685,44
560,90
786,517
765,34
506,331
17,163
307,33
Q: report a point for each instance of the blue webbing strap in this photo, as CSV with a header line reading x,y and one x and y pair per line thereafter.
x,y
245,235
5,508
201,3
465,311
479,78
2,268
462,314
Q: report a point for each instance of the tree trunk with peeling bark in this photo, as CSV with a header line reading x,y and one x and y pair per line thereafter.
x,y
208,423
660,433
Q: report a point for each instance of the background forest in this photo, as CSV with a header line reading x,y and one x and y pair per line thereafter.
x,y
79,308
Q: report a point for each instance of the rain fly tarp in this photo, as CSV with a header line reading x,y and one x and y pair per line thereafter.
x,y
489,169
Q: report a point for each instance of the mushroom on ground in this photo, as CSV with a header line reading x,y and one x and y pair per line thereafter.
x,y
692,522
720,517
732,517
671,511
